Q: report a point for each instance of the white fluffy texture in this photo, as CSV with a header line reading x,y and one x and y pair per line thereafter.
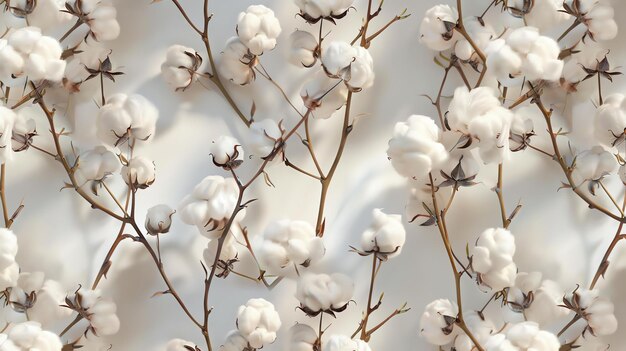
x,y
322,292
101,312
521,125
101,19
258,29
597,311
545,308
46,14
48,307
234,342
178,68
621,172
525,336
481,328
140,172
524,284
303,47
524,53
28,336
27,283
179,345
263,136
415,148
595,163
26,52
481,34
433,326
302,338
98,163
229,252
586,54
544,14
480,114
258,322
235,62
9,270
7,120
317,94
353,64
287,243
345,343
598,16
433,31
91,54
212,200
610,119
386,234
492,258
226,149
315,9
23,128
126,116
159,219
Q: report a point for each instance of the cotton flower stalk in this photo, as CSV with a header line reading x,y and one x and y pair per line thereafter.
x,y
264,136
315,10
610,120
258,322
181,66
126,118
324,95
385,237
438,321
287,244
353,64
98,310
99,15
159,219
596,310
345,343
9,269
228,256
258,29
319,293
227,152
210,205
303,338
139,173
237,62
29,336
305,49
437,28
492,259
525,336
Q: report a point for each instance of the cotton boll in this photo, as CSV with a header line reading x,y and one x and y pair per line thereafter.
x,y
595,163
525,336
437,322
492,258
481,328
481,34
345,343
352,64
159,219
522,128
235,341
48,307
324,95
304,49
228,255
385,236
23,295
324,293
100,311
302,338
98,163
89,55
237,62
543,14
7,120
595,309
598,16
180,66
11,62
263,137
23,131
610,120
101,18
227,152
545,307
179,345
30,336
437,28
9,270
258,322
125,118
48,14
258,29
139,173
314,10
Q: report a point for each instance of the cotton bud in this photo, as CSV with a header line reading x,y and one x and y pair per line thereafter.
x,y
48,307
385,236
596,310
304,49
345,343
264,136
415,149
235,342
315,10
492,258
610,120
598,16
437,322
24,294
98,310
159,219
258,322
179,345
324,95
481,33
303,338
126,118
98,163
352,64
210,205
180,67
9,270
258,29
227,152
540,14
139,173
319,293
237,64
29,336
228,256
437,28
100,16
595,163
288,244
481,328
524,53
525,336
24,129
7,119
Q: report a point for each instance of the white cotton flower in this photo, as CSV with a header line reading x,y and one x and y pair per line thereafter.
x,y
227,152
101,17
7,120
210,205
437,322
289,243
324,95
24,294
258,322
28,336
263,137
304,49
481,328
525,336
23,131
98,163
479,114
228,255
598,16
180,66
100,312
492,258
524,53
324,293
126,118
9,270
48,307
353,64
415,149
385,236
596,310
159,219
481,34
237,62
258,29
437,28
302,338
610,120
544,14
314,10
585,55
140,172
88,55
545,307
179,345
520,295
345,343
235,341
595,163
